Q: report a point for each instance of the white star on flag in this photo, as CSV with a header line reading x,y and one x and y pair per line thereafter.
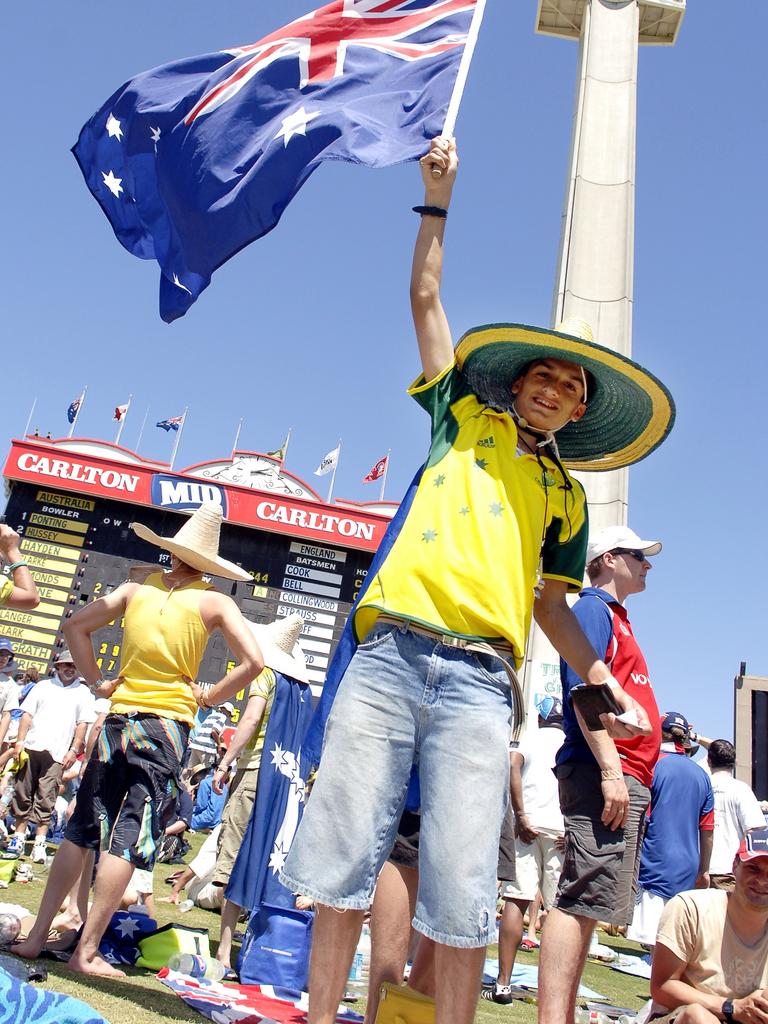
x,y
178,284
296,124
113,128
277,858
128,927
114,184
155,133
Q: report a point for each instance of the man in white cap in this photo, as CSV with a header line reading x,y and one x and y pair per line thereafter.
x,y
168,621
493,519
52,729
711,958
604,782
281,653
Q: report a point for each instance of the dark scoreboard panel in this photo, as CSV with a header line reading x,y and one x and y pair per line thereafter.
x,y
81,547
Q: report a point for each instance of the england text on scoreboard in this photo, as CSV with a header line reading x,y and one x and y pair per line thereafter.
x,y
73,502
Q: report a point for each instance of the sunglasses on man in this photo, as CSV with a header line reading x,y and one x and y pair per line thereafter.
x,y
633,553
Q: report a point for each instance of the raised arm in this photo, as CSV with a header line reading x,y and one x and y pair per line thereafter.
x,y
432,331
24,593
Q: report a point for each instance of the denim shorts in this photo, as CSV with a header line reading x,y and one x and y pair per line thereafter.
x,y
408,698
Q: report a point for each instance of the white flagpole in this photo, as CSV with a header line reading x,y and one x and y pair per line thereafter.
x,y
333,475
384,478
141,432
73,424
461,78
237,436
123,418
178,435
29,418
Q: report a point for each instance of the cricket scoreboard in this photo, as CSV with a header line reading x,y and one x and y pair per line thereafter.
x,y
73,502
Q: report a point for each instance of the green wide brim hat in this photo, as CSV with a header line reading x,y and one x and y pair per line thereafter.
x,y
629,411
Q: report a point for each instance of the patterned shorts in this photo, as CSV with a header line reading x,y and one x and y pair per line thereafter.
x,y
129,787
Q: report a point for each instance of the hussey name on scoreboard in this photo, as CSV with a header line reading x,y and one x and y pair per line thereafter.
x,y
77,471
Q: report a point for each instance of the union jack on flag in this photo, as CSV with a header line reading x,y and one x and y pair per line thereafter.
x,y
195,159
74,409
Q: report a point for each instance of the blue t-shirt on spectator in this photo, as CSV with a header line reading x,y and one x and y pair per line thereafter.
x,y
209,806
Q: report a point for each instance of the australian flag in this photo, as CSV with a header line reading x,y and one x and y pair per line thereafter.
x,y
73,409
171,424
195,159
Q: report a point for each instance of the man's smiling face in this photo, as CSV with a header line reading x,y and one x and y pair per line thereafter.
x,y
550,394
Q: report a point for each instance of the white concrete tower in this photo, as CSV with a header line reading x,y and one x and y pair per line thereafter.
x,y
594,279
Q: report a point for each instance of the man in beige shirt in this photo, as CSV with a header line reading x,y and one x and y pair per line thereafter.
x,y
711,957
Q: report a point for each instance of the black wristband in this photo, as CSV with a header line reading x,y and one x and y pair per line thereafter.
x,y
431,211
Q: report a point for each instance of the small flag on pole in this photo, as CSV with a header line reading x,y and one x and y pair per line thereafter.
x,y
74,408
282,450
120,411
378,471
329,462
172,424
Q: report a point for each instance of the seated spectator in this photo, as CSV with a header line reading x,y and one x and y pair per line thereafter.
x,y
139,892
173,845
209,804
711,957
736,812
202,748
197,878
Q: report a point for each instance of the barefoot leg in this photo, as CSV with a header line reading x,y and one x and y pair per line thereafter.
x,y
66,868
113,876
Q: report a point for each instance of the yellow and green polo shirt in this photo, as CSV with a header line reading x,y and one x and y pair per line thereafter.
x,y
467,556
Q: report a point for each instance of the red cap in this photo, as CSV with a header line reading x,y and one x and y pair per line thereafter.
x,y
754,844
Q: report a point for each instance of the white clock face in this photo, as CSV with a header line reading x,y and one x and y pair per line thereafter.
x,y
254,471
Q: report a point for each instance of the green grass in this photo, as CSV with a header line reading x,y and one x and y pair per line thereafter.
x,y
140,999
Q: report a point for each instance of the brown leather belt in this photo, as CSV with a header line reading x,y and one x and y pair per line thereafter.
x,y
502,651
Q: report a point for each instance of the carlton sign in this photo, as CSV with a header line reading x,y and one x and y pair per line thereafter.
x,y
78,472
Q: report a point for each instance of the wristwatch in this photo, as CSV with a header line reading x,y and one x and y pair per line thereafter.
x,y
727,1011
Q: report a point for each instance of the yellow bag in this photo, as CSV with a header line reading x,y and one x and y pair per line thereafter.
x,y
7,870
158,947
399,1004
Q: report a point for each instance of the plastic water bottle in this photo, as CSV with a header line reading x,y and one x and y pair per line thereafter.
x,y
361,962
585,1016
195,966
186,905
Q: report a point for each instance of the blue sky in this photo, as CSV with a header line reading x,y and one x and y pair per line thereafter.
x,y
309,328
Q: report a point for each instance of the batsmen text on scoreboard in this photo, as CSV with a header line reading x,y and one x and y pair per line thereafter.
x,y
73,503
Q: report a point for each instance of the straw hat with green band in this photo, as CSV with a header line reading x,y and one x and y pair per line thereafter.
x,y
629,412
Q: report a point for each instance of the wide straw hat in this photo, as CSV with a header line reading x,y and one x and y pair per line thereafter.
x,y
197,543
279,643
629,411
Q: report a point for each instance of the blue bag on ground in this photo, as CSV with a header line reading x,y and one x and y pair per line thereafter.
x,y
275,949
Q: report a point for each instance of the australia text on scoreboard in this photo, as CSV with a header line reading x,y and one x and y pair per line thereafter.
x,y
73,501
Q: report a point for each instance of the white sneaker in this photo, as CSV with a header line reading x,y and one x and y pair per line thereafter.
x,y
39,853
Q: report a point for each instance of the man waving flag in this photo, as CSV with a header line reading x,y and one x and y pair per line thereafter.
x,y
195,159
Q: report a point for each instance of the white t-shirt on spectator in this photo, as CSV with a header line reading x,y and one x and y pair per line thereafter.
x,y
736,811
541,799
56,711
9,693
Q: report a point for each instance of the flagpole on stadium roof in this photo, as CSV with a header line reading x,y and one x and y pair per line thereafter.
x,y
384,476
237,436
178,435
123,418
141,432
333,474
461,78
29,418
81,403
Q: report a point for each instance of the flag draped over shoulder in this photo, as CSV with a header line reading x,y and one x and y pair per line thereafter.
x,y
280,798
313,742
195,159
